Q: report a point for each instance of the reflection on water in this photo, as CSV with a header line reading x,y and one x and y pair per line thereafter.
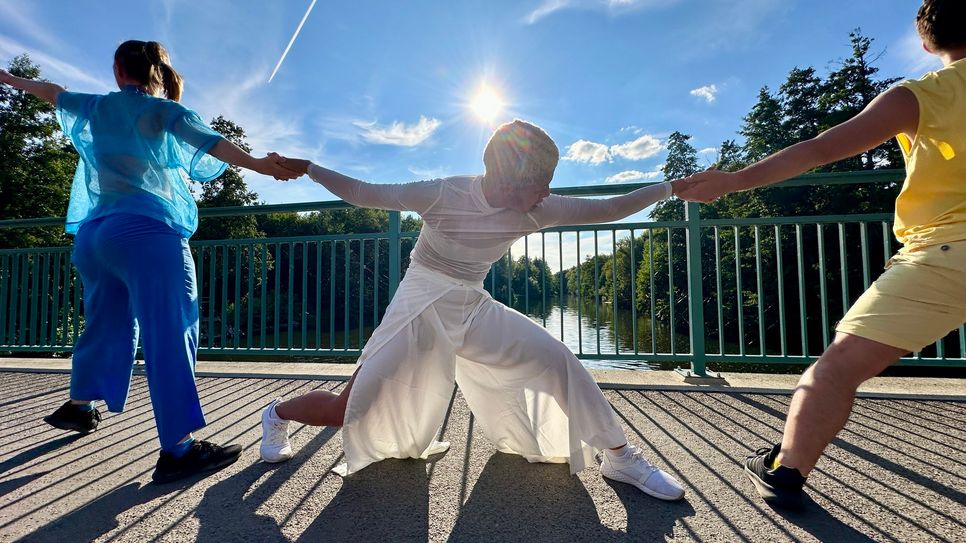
x,y
581,334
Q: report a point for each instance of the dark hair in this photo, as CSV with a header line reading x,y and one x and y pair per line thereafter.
x,y
148,63
522,151
942,24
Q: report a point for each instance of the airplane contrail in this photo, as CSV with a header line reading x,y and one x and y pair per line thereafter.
x,y
291,41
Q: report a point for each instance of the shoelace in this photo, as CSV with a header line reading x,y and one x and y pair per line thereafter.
x,y
761,451
638,457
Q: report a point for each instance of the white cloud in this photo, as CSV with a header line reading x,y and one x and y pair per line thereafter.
x,y
612,7
399,133
708,150
631,175
643,147
54,69
22,18
707,92
594,153
588,151
915,59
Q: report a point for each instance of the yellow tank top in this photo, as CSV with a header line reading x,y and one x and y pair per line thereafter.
x,y
931,208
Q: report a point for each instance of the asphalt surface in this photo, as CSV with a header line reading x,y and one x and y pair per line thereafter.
x,y
896,473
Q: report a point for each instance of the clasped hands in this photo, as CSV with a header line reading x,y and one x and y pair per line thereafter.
x,y
706,186
282,168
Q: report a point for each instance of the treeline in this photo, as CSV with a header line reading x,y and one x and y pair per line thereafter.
x,y
803,106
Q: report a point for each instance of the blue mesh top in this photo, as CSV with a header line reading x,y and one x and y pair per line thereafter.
x,y
135,150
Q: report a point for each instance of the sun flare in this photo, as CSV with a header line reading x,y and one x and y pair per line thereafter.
x,y
486,104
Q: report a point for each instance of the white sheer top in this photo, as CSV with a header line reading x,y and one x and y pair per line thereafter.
x,y
462,234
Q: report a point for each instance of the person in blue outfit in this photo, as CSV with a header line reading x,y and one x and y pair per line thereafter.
x,y
131,213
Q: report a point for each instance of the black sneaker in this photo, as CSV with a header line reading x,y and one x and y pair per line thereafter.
x,y
202,457
74,417
781,486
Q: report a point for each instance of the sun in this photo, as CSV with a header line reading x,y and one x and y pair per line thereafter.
x,y
486,104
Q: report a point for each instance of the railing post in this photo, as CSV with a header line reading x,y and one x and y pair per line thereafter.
x,y
692,215
394,256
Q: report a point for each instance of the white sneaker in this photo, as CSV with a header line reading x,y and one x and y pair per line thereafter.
x,y
275,446
634,469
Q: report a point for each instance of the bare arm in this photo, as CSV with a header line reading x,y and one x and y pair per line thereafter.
x,y
564,210
894,111
227,151
47,92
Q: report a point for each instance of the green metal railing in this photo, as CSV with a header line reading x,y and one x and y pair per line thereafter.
x,y
697,291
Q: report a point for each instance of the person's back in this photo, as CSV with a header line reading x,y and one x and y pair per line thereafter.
x,y
931,209
134,149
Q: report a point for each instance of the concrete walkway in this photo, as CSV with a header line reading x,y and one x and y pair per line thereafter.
x,y
896,473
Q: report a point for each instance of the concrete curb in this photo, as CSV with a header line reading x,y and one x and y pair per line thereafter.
x,y
918,388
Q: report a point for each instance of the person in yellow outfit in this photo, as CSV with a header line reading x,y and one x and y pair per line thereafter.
x,y
921,296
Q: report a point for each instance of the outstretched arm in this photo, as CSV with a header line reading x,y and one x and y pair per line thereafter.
x,y
47,92
227,151
565,210
892,112
416,196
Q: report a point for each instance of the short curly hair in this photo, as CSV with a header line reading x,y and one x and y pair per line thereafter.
x,y
942,24
521,151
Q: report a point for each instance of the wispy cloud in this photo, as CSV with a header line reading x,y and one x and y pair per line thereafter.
x,y
591,152
26,22
631,175
612,7
708,92
398,132
56,70
915,59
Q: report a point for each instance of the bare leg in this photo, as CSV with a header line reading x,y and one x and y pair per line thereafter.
x,y
823,398
317,408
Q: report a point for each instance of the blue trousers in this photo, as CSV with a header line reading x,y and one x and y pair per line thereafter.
x,y
138,277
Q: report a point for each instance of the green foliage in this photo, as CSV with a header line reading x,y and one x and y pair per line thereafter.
x,y
36,163
228,189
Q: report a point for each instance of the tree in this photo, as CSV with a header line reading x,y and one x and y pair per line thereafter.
x,y
36,162
762,128
228,189
799,97
848,91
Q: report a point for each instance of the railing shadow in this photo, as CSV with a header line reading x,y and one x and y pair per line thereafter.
x,y
99,517
514,500
37,452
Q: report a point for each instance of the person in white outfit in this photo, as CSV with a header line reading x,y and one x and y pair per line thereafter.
x,y
527,390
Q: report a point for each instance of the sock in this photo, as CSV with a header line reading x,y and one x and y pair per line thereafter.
x,y
272,414
180,449
89,406
618,454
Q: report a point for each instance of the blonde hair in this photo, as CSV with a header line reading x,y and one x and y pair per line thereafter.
x,y
521,152
148,63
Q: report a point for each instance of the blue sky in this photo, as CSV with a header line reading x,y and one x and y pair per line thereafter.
x,y
383,90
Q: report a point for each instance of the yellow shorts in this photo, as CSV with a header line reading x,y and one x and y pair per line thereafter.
x,y
918,299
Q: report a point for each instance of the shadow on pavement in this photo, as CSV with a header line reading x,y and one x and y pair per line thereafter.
x,y
514,500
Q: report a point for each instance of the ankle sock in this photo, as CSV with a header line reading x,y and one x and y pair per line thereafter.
x,y
180,449
618,454
89,406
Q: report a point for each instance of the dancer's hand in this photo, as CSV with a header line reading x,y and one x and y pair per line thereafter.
x,y
269,165
297,165
706,186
